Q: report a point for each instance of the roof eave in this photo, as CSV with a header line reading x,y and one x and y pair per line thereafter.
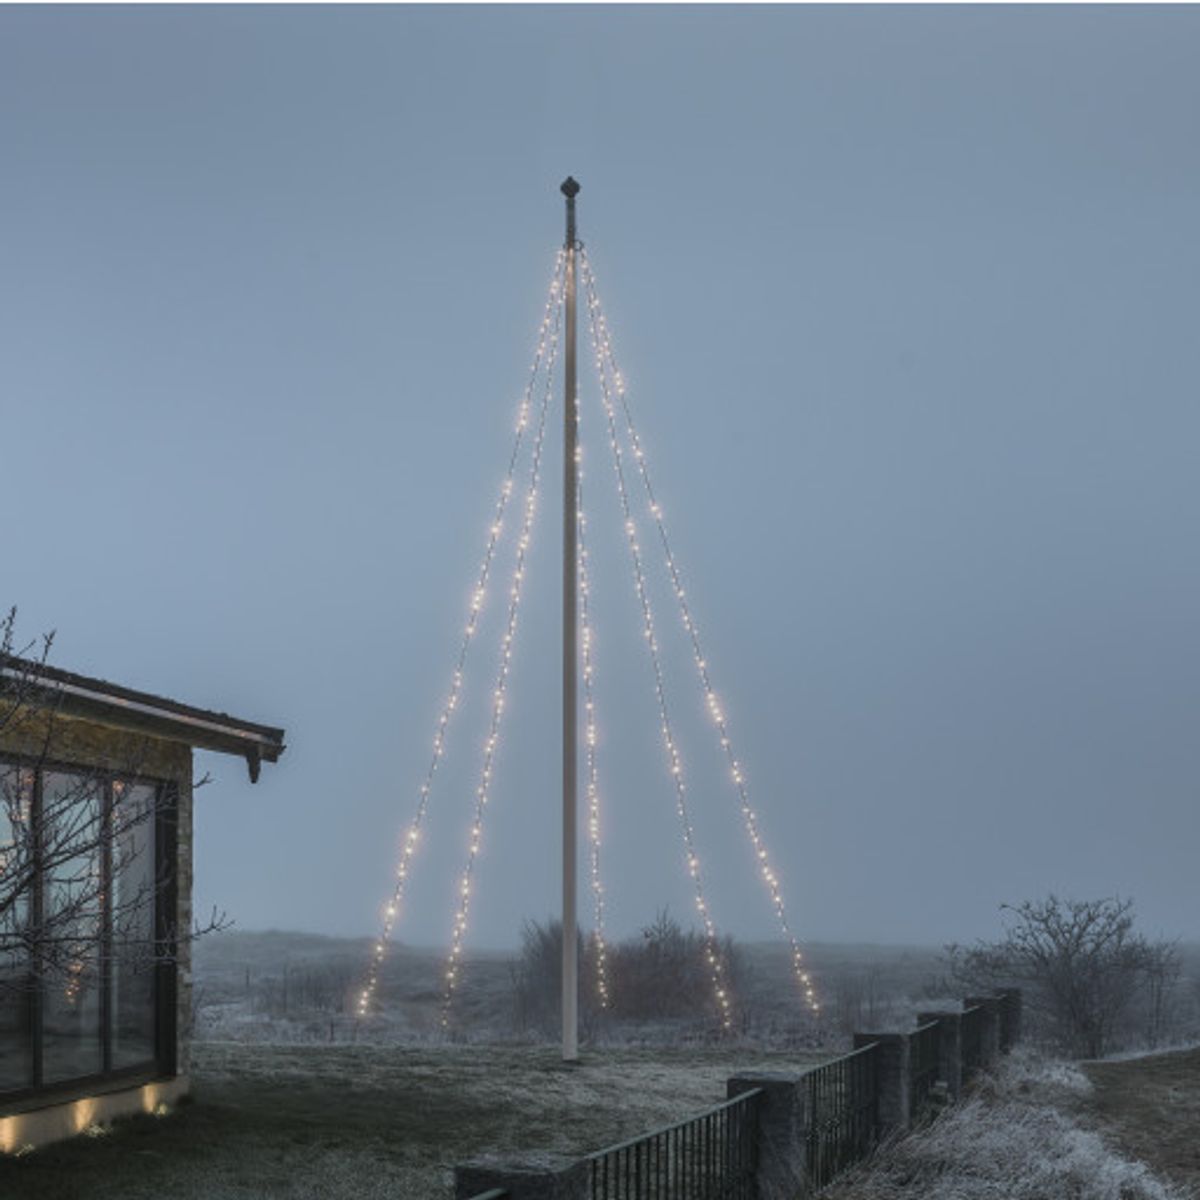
x,y
123,708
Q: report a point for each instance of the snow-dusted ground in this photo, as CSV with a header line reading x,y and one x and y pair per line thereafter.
x,y
286,987
344,1122
1027,1133
294,1100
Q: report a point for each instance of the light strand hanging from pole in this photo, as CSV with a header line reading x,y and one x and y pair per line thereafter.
x,y
610,371
674,759
547,334
593,790
499,692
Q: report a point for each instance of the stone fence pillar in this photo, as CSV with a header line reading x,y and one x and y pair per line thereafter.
x,y
949,1049
893,1057
534,1177
782,1136
989,1039
1010,1017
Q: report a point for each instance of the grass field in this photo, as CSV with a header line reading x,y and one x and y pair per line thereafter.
x,y
370,1122
1150,1108
299,987
1046,1130
292,1099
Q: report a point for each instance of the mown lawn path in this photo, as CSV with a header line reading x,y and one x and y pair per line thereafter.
x,y
1150,1108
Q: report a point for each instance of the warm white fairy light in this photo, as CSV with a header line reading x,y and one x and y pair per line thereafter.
x,y
674,759
590,740
611,379
547,336
499,692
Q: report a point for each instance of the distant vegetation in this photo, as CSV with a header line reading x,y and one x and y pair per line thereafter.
x,y
660,975
291,987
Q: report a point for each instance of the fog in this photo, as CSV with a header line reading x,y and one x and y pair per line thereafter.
x,y
907,304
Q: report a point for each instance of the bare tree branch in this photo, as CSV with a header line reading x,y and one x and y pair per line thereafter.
x,y
1082,965
79,882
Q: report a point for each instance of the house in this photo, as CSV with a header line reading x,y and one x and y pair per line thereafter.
x,y
95,895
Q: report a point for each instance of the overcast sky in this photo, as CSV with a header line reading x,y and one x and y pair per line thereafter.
x,y
907,300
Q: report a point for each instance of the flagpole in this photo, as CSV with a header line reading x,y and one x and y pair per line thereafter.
x,y
570,965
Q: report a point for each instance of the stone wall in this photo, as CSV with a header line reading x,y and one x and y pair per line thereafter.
x,y
35,734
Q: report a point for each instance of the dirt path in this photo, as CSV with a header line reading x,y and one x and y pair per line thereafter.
x,y
1150,1108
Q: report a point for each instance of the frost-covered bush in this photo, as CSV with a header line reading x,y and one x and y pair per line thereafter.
x,y
1015,1138
661,975
1092,983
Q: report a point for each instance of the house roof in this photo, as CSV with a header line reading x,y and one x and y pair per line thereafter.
x,y
125,708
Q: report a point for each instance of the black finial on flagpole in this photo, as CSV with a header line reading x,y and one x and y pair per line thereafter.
x,y
570,189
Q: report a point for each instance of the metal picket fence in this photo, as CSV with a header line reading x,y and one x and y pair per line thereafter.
x,y
843,1113
710,1156
714,1154
924,1067
972,1041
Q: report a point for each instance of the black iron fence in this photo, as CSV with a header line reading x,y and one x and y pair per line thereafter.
x,y
848,1104
972,1040
1010,1017
710,1156
924,1067
843,1113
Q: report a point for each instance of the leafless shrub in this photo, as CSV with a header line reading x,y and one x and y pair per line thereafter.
x,y
862,999
307,990
661,975
537,979
1092,984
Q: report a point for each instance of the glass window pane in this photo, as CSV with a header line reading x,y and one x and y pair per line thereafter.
x,y
70,937
16,1046
135,889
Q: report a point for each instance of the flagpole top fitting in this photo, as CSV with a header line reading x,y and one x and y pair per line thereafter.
x,y
570,189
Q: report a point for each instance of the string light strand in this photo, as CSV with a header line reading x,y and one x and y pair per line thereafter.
x,y
674,759
499,692
616,382
590,741
411,835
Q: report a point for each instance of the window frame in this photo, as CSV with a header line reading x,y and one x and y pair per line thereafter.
x,y
163,1062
